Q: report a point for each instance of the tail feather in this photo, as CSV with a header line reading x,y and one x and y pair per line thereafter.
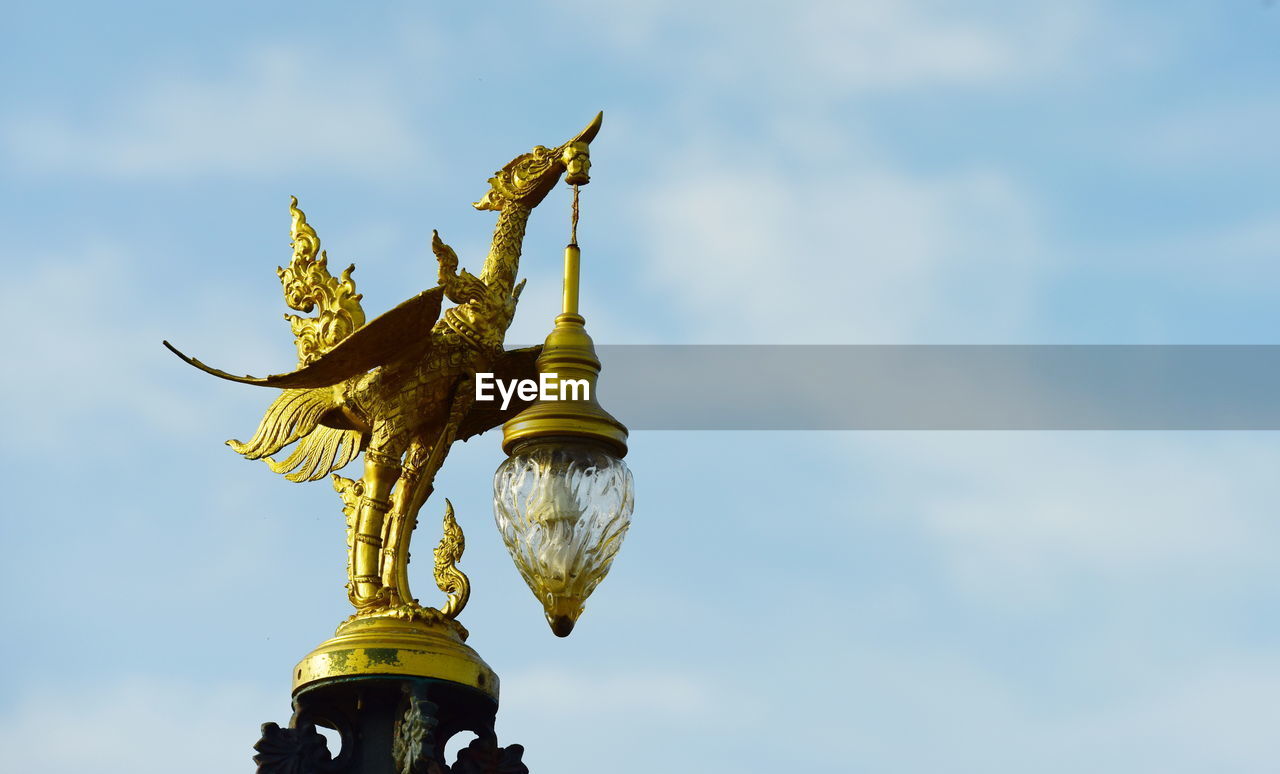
x,y
290,416
325,450
295,416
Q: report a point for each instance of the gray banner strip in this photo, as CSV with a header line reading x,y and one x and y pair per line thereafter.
x,y
1219,387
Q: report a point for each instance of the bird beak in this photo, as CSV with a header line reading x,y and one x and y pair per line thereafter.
x,y
589,134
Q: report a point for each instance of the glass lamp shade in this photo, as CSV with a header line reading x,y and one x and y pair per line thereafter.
x,y
563,507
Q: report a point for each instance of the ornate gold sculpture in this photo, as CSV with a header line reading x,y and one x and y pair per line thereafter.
x,y
401,389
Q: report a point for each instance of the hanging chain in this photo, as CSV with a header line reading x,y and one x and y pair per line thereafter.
x,y
573,225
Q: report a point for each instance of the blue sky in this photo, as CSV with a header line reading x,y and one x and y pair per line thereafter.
x,y
871,172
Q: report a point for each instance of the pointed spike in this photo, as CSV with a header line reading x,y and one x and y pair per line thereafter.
x,y
593,128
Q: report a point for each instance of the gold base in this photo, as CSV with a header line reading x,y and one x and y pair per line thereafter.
x,y
391,646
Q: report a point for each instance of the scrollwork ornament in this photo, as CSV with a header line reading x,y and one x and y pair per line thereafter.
x,y
413,746
300,750
307,284
484,756
452,581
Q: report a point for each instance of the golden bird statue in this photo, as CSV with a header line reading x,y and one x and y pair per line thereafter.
x,y
400,388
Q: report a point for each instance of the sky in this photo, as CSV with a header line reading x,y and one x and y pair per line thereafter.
x,y
872,172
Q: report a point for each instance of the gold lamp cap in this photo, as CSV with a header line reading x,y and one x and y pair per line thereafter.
x,y
570,354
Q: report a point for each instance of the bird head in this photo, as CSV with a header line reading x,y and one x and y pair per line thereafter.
x,y
528,178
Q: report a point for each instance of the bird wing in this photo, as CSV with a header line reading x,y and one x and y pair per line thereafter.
x,y
401,332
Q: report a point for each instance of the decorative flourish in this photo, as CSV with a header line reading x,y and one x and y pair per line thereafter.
x,y
459,286
350,492
485,306
449,578
413,746
400,388
308,284
484,756
300,750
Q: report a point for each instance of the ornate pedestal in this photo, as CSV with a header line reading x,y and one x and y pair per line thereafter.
x,y
388,725
396,691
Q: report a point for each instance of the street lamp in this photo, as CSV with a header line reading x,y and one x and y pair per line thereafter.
x,y
563,498
397,680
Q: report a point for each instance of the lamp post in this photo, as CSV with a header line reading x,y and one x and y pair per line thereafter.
x,y
397,680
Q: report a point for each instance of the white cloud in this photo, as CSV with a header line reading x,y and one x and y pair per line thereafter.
x,y
1238,257
789,49
1219,717
279,110
1237,132
868,700
868,46
571,719
1196,718
1020,517
91,355
861,254
140,725
589,692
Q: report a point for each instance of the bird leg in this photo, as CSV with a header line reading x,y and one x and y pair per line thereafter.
x,y
399,527
417,482
381,471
